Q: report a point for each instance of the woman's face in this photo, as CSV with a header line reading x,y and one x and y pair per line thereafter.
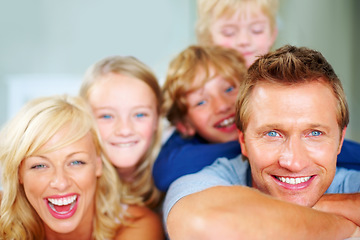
x,y
60,185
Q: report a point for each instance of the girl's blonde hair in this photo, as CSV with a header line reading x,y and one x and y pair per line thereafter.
x,y
37,122
143,186
210,11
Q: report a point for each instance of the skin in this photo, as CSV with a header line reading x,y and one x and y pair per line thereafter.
x,y
209,106
292,134
125,110
287,126
248,31
71,170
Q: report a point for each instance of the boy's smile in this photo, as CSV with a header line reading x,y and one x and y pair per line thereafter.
x,y
211,110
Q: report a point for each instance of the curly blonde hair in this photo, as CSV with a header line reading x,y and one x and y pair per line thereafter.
x,y
142,186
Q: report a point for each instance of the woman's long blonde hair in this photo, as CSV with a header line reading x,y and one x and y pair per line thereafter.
x,y
143,185
37,122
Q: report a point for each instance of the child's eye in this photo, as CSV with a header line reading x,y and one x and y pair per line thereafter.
x,y
273,134
257,28
315,133
200,103
140,115
77,162
229,89
105,116
228,32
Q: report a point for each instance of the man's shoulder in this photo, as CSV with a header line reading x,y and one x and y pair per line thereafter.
x,y
345,181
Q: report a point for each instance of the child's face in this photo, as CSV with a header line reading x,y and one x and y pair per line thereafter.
x,y
211,110
247,31
125,110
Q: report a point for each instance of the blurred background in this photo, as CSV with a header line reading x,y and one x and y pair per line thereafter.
x,y
46,46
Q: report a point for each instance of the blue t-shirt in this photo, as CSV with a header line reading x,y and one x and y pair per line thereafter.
x,y
225,172
180,156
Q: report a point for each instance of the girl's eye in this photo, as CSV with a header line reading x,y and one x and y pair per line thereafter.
x,y
273,134
77,162
228,32
315,133
106,116
229,89
257,28
38,166
140,115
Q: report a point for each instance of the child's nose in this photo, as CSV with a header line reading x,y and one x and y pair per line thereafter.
x,y
221,104
123,127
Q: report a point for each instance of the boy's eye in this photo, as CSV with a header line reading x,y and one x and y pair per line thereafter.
x,y
229,89
315,133
273,134
200,103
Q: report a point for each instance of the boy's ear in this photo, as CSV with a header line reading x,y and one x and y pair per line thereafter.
x,y
185,128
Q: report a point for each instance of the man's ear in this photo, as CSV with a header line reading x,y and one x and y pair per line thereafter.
x,y
185,128
242,143
342,139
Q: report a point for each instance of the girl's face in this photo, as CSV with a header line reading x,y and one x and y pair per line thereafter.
x,y
125,110
60,185
248,31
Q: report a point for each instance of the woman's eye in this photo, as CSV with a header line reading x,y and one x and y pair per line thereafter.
x,y
273,134
77,162
38,166
315,133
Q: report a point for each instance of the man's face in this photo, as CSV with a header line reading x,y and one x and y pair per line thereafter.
x,y
292,140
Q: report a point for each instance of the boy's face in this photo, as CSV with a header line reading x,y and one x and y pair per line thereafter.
x,y
211,111
292,140
248,31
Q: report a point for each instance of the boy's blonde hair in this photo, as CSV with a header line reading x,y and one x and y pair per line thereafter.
x,y
204,62
37,122
143,185
210,11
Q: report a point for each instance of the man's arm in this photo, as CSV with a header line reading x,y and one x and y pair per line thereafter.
x,y
237,212
346,205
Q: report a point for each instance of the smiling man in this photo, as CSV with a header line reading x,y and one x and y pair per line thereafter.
x,y
292,117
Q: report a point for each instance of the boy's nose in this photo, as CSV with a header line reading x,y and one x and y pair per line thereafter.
x,y
221,104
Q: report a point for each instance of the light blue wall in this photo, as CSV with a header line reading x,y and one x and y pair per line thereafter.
x,y
51,38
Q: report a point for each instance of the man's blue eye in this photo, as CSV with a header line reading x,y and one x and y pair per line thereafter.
x,y
315,133
229,89
273,134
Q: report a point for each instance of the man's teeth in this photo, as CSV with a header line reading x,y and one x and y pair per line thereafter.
x,y
227,122
62,201
293,181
